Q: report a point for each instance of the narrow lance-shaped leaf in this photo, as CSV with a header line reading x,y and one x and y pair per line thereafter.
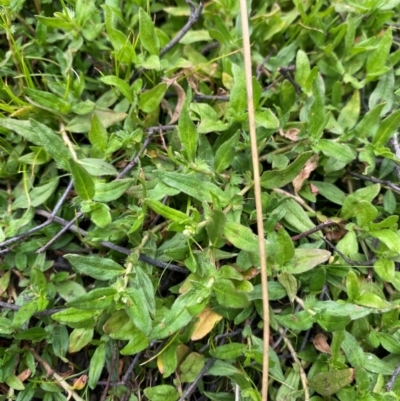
x,y
97,267
166,211
386,129
147,34
279,178
98,136
83,182
151,99
187,131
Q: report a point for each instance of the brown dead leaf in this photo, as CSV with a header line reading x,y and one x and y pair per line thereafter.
x,y
291,133
80,382
310,166
321,344
24,374
205,323
314,189
181,98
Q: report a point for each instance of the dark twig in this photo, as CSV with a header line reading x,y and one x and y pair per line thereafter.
x,y
49,220
285,330
260,66
347,260
221,98
376,180
390,383
321,226
159,128
135,160
394,144
192,387
60,233
127,374
15,308
110,245
220,336
286,72
194,17
108,383
208,47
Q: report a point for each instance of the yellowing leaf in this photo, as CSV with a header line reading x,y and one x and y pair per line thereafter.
x,y
205,323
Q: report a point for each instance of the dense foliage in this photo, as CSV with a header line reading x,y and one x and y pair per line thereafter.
x,y
129,259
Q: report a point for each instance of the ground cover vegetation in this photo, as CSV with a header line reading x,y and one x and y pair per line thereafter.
x,y
129,255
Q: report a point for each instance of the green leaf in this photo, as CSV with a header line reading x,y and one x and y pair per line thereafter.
x,y
350,113
303,69
97,167
377,59
385,269
25,312
225,153
228,296
75,317
99,298
354,353
137,342
98,136
34,334
48,100
109,191
151,99
279,178
365,213
330,191
97,362
328,383
298,321
187,131
147,35
289,282
386,129
163,392
337,150
331,323
215,227
222,368
296,218
120,84
82,123
371,301
79,338
14,382
101,215
166,211
192,185
229,351
267,119
389,238
306,259
40,135
241,237
145,284
83,181
370,122
352,286
191,367
135,308
238,95
317,117
97,267
376,365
